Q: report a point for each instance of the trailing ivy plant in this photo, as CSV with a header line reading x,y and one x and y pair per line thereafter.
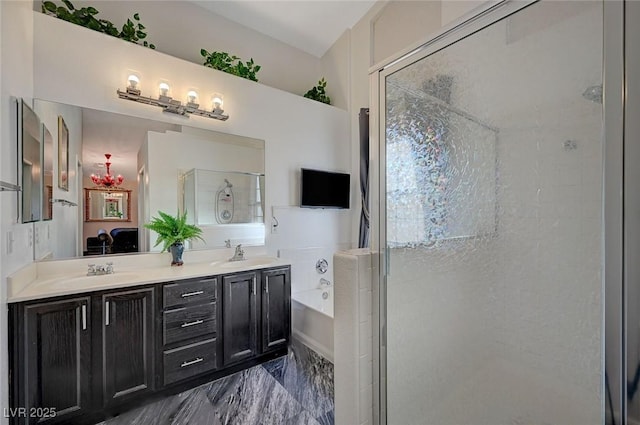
x,y
231,64
318,93
132,30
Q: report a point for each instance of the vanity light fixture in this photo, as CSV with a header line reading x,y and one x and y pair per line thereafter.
x,y
168,104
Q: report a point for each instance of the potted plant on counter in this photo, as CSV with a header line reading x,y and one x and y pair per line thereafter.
x,y
172,233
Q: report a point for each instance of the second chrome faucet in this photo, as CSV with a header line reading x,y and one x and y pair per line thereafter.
x,y
238,255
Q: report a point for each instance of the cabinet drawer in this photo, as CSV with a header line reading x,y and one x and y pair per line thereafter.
x,y
190,360
188,322
189,292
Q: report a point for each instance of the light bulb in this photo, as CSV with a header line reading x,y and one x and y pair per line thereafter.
x,y
133,81
164,89
217,101
192,96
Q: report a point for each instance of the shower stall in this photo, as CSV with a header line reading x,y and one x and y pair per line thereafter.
x,y
507,238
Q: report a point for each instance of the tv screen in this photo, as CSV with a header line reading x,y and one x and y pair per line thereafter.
x,y
324,189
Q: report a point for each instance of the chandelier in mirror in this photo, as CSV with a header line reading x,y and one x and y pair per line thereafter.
x,y
107,180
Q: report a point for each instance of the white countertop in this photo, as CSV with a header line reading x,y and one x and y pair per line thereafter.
x,y
69,277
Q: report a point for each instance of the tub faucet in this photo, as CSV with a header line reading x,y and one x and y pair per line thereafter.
x,y
324,282
239,254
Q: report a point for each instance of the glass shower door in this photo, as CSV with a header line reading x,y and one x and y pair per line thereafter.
x,y
492,224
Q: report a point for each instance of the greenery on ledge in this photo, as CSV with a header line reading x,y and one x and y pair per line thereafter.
x,y
231,64
318,93
132,30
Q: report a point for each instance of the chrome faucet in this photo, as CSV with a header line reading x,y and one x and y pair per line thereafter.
x,y
227,243
239,254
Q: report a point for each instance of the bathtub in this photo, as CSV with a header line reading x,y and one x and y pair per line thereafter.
x,y
312,320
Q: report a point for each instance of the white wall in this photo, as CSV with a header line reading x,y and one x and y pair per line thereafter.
x,y
298,132
335,69
181,29
17,76
418,19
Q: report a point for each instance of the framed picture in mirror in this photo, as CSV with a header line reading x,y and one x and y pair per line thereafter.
x,y
63,155
107,204
47,173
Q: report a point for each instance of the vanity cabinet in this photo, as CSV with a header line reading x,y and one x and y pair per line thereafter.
x,y
79,359
127,344
276,308
52,368
189,328
240,321
257,313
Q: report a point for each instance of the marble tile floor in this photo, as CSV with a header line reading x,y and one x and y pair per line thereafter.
x,y
296,389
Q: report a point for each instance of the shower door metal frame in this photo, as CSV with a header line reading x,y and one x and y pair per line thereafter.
x,y
613,110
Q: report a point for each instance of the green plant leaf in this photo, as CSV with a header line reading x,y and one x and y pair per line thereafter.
x,y
318,92
231,64
49,6
85,17
68,4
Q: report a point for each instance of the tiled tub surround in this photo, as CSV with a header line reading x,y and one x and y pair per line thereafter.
x,y
293,390
97,346
353,337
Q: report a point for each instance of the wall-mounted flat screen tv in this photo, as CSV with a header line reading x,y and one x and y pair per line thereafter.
x,y
324,189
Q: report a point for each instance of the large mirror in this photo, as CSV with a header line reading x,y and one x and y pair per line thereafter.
x,y
31,166
154,157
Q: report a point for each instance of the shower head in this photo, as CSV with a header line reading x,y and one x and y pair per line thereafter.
x,y
593,93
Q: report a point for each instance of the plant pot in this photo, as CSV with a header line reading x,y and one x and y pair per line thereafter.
x,y
177,249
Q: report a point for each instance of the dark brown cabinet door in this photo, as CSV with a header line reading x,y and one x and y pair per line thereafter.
x,y
240,316
127,344
276,309
57,360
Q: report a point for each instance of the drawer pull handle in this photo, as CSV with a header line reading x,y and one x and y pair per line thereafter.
x,y
191,294
198,360
195,322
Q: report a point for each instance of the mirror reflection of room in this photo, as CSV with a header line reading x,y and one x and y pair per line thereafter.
x,y
130,168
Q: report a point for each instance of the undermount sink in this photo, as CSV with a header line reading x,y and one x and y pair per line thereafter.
x,y
249,262
93,280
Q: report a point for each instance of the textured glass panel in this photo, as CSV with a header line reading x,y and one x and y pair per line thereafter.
x,y
494,227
